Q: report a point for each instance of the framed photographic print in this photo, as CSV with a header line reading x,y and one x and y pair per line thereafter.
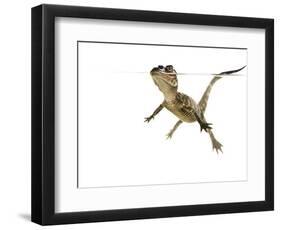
x,y
142,114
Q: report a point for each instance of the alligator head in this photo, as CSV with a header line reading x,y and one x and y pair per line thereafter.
x,y
166,80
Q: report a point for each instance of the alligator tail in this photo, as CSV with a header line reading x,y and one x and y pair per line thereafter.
x,y
204,100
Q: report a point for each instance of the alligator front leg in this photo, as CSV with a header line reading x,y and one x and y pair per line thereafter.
x,y
159,108
170,134
203,124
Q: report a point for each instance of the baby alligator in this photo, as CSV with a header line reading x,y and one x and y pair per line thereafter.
x,y
181,105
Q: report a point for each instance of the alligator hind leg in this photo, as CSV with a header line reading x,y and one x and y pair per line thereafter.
x,y
170,134
216,144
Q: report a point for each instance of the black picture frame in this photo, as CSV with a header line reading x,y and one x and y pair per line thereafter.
x,y
43,114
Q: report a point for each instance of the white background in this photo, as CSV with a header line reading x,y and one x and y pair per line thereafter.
x,y
115,142
15,116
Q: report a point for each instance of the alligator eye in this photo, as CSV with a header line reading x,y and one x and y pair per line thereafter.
x,y
161,67
169,68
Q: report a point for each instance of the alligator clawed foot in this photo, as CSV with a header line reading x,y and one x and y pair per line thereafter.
x,y
205,126
217,146
169,135
148,119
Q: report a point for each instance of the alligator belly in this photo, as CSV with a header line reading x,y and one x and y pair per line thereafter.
x,y
185,118
181,115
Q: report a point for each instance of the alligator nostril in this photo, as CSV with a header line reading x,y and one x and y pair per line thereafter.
x,y
161,67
